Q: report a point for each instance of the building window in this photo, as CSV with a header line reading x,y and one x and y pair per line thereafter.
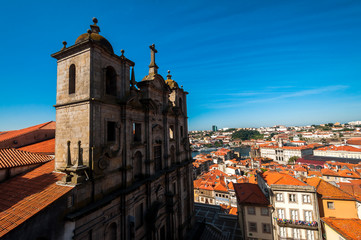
x,y
266,228
181,131
137,132
171,132
137,166
110,81
283,232
172,155
310,235
139,216
296,233
111,131
158,158
181,104
251,210
281,213
308,216
264,212
279,197
292,198
252,227
72,79
330,205
175,188
294,214
306,198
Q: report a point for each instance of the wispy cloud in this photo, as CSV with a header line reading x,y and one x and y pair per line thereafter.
x,y
301,93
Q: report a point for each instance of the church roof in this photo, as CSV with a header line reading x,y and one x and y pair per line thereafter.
x,y
94,35
170,82
14,158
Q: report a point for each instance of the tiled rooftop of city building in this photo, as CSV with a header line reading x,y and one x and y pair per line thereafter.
x,y
327,190
349,228
248,193
276,178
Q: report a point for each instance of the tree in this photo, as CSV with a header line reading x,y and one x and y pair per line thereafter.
x,y
293,159
247,134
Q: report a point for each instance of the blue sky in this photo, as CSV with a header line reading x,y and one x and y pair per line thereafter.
x,y
244,63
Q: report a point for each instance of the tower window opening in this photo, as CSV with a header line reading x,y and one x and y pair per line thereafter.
x,y
158,158
111,131
72,79
111,81
171,132
137,132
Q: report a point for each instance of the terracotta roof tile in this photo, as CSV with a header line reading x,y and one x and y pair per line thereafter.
x,y
16,133
24,196
327,190
340,148
44,147
249,193
276,178
349,228
14,158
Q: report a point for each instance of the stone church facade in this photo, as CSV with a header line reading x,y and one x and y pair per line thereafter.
x,y
122,144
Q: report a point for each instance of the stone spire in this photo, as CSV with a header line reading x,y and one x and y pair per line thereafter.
x,y
95,28
153,68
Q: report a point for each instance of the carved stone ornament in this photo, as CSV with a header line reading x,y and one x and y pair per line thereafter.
x,y
103,163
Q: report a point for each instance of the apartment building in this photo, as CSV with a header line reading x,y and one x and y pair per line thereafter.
x,y
338,151
254,212
295,214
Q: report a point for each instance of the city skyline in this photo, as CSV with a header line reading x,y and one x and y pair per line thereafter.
x,y
244,64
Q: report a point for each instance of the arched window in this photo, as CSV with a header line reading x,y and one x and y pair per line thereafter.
x,y
137,165
72,79
111,81
172,155
181,104
111,232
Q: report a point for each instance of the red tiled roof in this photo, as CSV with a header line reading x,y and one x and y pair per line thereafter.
x,y
24,196
339,148
233,211
328,172
44,147
249,193
273,177
327,190
15,133
349,228
13,158
354,141
220,188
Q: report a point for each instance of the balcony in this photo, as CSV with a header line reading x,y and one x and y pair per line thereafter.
x,y
297,224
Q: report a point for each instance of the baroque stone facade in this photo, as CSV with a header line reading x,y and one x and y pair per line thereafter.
x,y
123,145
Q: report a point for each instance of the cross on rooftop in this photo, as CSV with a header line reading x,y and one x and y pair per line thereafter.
x,y
152,66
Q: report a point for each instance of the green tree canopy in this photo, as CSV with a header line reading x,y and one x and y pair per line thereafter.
x,y
247,134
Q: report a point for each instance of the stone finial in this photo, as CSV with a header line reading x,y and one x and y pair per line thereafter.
x,y
122,51
153,66
68,158
169,76
95,28
80,156
64,45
